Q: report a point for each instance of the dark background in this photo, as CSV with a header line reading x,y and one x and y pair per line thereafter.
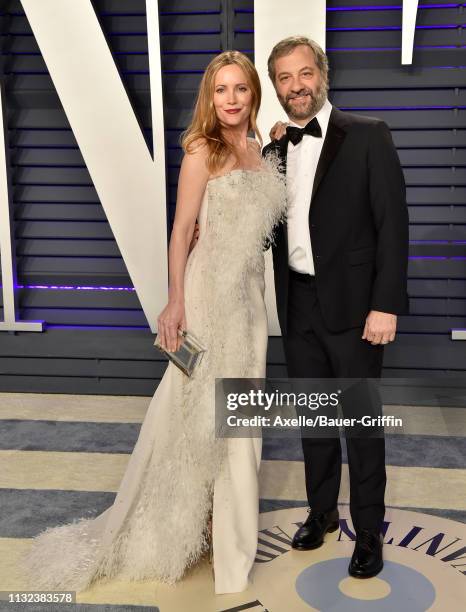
x,y
99,341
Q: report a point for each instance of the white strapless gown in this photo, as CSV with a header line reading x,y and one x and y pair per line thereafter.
x,y
156,527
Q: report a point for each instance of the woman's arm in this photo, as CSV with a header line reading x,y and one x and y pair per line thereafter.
x,y
191,186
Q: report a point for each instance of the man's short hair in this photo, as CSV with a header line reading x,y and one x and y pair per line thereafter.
x,y
286,46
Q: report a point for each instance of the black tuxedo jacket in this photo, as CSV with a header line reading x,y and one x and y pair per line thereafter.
x,y
358,224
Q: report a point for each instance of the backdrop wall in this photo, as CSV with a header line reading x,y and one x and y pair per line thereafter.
x,y
97,339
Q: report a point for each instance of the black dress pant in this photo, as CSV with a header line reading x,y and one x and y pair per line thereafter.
x,y
312,351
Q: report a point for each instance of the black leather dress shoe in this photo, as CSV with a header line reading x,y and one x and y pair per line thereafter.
x,y
311,534
367,556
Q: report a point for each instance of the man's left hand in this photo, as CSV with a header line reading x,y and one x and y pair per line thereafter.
x,y
380,327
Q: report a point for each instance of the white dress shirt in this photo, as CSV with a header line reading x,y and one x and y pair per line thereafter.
x,y
301,167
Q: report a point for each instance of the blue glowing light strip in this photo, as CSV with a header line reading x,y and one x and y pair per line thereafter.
x,y
133,14
396,7
74,288
335,49
132,289
52,326
396,28
438,257
391,7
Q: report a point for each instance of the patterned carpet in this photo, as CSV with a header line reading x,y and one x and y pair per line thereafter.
x,y
62,457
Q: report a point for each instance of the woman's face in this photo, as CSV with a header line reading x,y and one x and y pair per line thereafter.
x,y
232,96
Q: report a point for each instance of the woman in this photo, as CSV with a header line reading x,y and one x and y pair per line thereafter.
x,y
180,473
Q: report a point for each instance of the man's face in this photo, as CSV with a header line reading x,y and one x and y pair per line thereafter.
x,y
299,84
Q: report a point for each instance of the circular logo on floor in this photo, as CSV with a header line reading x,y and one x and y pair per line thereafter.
x,y
424,569
424,566
385,593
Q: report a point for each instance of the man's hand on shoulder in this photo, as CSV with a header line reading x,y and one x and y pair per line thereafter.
x,y
278,130
380,327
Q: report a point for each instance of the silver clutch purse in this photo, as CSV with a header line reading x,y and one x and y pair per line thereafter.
x,y
188,356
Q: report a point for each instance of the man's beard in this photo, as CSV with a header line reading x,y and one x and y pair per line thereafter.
x,y
316,101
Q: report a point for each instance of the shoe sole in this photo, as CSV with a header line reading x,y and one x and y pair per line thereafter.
x,y
363,576
330,529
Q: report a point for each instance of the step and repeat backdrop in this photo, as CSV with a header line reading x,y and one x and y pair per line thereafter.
x,y
70,204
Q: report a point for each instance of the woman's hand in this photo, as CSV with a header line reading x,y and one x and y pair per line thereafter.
x,y
170,320
278,130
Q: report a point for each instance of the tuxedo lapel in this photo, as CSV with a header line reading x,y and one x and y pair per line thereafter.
x,y
283,155
282,149
332,143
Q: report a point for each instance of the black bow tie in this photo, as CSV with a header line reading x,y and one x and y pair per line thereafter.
x,y
296,134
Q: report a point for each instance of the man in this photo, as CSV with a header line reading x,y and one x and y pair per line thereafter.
x,y
340,266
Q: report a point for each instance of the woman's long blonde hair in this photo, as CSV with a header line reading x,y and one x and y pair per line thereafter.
x,y
205,125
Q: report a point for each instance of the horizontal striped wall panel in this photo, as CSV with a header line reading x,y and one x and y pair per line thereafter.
x,y
68,297
136,344
440,323
79,368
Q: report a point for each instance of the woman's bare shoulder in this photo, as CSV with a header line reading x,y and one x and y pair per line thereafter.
x,y
198,147
194,163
